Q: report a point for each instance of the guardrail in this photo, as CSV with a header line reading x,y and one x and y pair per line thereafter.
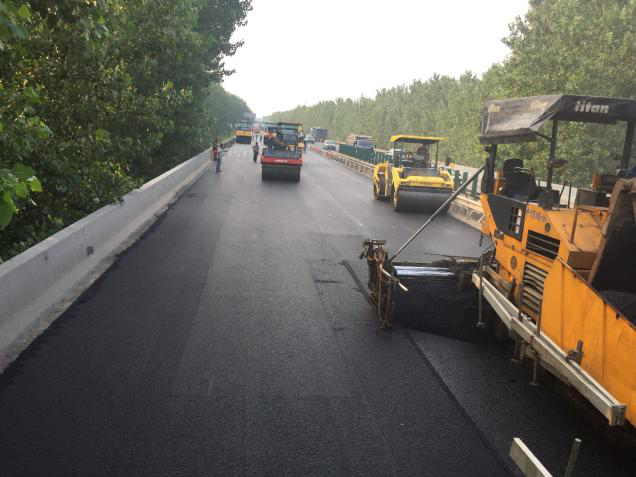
x,y
464,208
42,282
358,165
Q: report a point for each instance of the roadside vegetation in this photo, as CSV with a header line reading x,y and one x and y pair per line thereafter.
x,y
99,96
560,46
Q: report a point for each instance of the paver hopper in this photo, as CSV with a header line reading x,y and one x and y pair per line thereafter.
x,y
435,296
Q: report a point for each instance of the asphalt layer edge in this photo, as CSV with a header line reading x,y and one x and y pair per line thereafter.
x,y
435,374
452,397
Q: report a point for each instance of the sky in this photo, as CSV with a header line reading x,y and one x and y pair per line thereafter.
x,y
300,52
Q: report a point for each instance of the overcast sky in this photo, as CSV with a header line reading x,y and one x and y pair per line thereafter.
x,y
303,51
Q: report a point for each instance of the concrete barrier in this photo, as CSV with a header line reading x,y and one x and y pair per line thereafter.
x,y
40,283
467,210
462,208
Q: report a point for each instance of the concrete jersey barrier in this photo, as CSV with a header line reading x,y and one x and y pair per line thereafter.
x,y
40,283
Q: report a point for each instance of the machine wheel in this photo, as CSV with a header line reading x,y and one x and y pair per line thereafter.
x,y
395,200
382,189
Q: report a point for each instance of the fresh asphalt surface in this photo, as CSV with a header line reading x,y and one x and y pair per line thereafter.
x,y
234,339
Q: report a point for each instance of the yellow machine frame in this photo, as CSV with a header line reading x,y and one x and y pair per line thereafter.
x,y
541,279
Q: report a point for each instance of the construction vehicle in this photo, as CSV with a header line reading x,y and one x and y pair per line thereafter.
x,y
559,279
244,133
282,156
319,134
361,141
409,178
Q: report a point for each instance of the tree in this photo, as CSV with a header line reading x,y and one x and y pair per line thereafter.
x,y
20,127
103,95
559,46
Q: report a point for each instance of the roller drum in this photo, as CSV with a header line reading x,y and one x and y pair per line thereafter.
x,y
420,199
281,173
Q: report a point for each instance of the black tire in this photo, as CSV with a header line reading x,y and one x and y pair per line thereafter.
x,y
383,187
395,201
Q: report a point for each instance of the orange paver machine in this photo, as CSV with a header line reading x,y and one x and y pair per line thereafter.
x,y
562,278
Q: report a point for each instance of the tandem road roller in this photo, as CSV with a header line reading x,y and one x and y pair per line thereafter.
x,y
244,133
282,156
411,180
559,279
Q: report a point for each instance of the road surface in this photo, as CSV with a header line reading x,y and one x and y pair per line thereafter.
x,y
235,338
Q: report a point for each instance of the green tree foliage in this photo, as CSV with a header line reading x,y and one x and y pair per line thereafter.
x,y
574,46
559,46
15,185
19,122
99,96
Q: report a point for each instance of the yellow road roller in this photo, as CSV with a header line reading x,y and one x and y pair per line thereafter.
x,y
412,179
244,133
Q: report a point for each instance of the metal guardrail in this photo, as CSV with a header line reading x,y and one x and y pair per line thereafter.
x,y
363,167
374,156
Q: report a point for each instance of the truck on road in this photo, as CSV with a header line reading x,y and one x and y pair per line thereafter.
x,y
319,134
360,141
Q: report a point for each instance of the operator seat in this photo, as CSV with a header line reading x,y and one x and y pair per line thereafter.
x,y
518,183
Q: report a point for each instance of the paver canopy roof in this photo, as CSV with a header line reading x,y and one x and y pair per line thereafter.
x,y
408,138
519,119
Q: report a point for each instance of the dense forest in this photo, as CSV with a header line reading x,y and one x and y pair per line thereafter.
x,y
98,96
559,46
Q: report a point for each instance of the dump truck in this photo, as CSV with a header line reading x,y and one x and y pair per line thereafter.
x,y
559,278
282,156
244,133
410,179
361,141
319,134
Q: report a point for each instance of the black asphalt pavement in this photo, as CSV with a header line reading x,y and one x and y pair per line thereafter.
x,y
234,339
